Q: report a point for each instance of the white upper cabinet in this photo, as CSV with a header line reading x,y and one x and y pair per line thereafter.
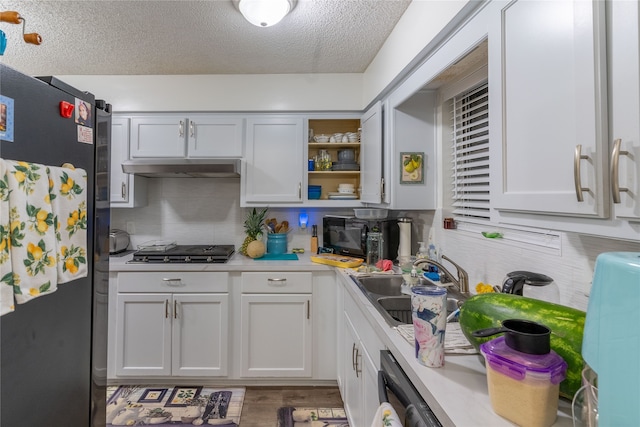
x,y
158,136
190,136
624,107
549,109
127,191
212,136
371,178
274,166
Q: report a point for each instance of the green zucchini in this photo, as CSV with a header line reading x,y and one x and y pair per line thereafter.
x,y
567,326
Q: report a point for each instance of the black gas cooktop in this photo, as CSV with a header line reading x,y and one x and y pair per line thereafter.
x,y
184,254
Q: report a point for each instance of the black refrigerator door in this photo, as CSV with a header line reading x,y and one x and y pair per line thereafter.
x,y
101,265
46,344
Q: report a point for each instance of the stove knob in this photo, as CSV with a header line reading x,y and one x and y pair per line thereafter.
x,y
145,259
187,259
166,259
209,259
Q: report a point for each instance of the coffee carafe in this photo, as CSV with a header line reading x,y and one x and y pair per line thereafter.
x,y
531,285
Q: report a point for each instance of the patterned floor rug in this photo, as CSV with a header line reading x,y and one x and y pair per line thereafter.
x,y
313,417
173,406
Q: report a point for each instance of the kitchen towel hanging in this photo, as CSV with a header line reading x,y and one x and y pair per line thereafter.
x,y
6,272
33,240
386,416
68,194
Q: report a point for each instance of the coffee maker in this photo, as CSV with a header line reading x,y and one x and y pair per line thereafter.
x,y
611,340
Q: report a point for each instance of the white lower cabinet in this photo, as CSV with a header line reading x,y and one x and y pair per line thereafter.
x,y
359,360
179,333
276,325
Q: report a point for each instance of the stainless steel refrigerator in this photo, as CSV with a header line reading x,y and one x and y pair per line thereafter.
x,y
53,349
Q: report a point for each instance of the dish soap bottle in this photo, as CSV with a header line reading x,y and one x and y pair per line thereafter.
x,y
422,251
432,254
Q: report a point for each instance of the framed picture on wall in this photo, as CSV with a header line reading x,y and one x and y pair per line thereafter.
x,y
412,168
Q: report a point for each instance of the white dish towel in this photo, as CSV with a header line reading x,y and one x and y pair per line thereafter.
x,y
386,416
33,240
6,272
68,194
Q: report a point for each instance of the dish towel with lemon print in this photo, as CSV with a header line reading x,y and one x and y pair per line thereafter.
x,y
6,272
386,416
32,238
68,195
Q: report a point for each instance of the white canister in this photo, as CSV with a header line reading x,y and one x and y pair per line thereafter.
x,y
404,248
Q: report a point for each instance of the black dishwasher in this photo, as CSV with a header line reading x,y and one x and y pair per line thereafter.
x,y
396,388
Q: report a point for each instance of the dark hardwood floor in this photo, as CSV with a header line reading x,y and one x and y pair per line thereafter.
x,y
261,404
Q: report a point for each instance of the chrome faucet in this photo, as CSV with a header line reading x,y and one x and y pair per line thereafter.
x,y
462,281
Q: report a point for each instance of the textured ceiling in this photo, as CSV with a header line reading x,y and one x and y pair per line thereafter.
x,y
196,37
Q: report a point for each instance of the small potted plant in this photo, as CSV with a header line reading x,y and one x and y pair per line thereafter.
x,y
158,415
195,408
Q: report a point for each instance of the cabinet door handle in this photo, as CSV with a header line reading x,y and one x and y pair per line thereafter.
x,y
300,190
172,281
577,157
308,309
277,282
382,190
123,190
353,357
181,128
615,176
191,129
166,309
358,358
175,309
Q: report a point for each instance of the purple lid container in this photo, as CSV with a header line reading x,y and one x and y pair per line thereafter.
x,y
517,365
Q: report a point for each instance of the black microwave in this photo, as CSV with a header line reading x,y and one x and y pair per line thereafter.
x,y
347,235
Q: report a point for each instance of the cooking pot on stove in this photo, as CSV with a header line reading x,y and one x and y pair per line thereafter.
x,y
118,241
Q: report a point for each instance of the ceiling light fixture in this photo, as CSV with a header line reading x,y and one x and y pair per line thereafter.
x,y
264,13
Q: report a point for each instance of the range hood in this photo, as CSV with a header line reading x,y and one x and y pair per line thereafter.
x,y
183,168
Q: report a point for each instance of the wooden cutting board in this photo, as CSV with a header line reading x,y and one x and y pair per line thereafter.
x,y
337,260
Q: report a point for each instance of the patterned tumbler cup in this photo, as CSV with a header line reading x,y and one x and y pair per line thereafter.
x,y
429,314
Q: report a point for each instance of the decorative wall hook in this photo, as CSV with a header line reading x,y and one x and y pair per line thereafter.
x,y
14,17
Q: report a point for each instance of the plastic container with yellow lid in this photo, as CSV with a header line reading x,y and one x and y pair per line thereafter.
x,y
524,388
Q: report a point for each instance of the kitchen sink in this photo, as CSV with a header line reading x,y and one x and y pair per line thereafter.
x,y
382,285
385,294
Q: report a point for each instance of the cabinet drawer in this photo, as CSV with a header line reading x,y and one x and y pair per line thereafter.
x,y
173,281
276,282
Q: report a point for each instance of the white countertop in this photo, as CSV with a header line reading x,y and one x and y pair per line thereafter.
x,y
236,263
457,392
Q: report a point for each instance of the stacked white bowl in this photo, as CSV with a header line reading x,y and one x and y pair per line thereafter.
x,y
346,188
352,136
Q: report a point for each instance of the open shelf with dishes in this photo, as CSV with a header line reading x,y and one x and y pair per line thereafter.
x,y
335,163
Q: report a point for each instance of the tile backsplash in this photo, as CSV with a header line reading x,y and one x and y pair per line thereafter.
x,y
204,210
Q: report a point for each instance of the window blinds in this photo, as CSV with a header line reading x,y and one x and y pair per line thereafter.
x,y
470,155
